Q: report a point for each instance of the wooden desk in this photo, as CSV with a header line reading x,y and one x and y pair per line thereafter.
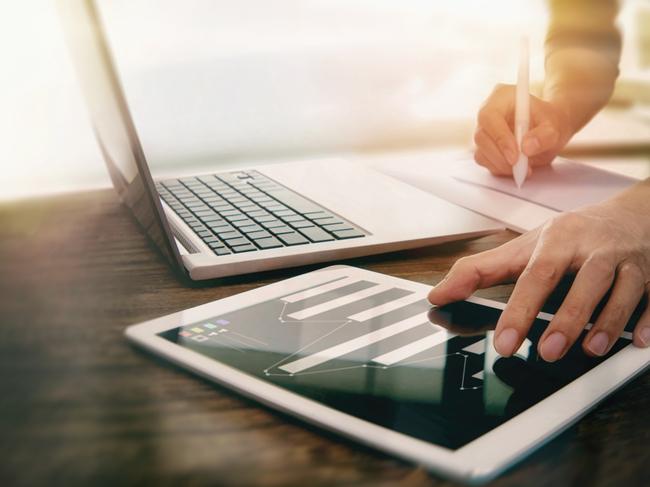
x,y
79,405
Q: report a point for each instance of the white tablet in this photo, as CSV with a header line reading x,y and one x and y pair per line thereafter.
x,y
365,355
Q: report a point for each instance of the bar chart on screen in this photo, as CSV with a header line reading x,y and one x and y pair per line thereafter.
x,y
366,325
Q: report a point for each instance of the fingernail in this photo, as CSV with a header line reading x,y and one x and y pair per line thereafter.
x,y
506,342
599,343
511,157
552,348
644,335
531,146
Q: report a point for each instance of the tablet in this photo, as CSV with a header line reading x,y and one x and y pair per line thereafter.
x,y
365,355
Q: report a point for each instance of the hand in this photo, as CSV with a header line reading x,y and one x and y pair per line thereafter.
x,y
496,146
606,245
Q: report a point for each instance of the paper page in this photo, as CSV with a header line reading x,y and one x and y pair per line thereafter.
x,y
563,186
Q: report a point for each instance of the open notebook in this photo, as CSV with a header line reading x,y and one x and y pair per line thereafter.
x,y
454,176
563,186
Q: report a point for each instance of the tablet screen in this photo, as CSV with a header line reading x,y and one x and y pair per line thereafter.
x,y
379,353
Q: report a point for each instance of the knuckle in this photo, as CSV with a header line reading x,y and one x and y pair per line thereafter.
x,y
543,270
601,263
461,264
567,221
628,270
562,229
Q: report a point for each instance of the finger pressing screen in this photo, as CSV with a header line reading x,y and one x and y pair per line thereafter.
x,y
549,263
592,282
629,288
482,270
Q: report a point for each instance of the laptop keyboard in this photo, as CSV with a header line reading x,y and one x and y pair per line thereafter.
x,y
245,211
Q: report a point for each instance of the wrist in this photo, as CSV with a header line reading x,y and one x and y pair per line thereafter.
x,y
635,201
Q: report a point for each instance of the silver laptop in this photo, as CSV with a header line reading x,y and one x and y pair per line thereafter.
x,y
226,223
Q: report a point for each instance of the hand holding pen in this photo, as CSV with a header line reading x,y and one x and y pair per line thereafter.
x,y
497,147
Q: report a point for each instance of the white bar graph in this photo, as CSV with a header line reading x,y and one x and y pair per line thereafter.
x,y
338,302
310,293
477,347
412,348
387,307
354,344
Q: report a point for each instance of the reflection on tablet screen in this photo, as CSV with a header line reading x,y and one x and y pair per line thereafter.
x,y
379,358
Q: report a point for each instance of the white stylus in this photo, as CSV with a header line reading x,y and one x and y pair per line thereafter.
x,y
522,113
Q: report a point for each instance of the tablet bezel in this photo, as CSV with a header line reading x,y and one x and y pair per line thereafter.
x,y
478,461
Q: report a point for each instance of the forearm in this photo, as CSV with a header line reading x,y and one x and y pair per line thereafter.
x,y
583,47
580,81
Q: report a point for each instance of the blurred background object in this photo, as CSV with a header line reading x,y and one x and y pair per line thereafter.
x,y
217,83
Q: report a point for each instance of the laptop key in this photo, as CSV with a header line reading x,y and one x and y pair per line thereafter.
x,y
212,218
234,242
231,213
224,207
316,234
281,230
268,243
270,223
251,229
258,214
235,218
294,201
343,234
301,224
222,251
258,235
292,239
262,200
230,235
327,221
292,218
244,248
318,215
275,208
337,226
204,213
243,223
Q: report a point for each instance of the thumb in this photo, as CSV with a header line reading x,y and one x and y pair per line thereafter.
x,y
542,138
485,269
474,272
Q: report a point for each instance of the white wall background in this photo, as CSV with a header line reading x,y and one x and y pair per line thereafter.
x,y
219,80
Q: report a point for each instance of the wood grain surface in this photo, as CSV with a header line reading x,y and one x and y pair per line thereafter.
x,y
80,406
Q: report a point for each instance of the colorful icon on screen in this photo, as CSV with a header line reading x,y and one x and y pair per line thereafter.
x,y
199,338
223,322
196,329
185,334
209,326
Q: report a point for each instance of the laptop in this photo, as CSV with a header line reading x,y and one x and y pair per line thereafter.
x,y
225,223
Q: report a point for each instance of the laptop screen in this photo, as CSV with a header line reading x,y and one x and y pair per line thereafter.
x,y
112,123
